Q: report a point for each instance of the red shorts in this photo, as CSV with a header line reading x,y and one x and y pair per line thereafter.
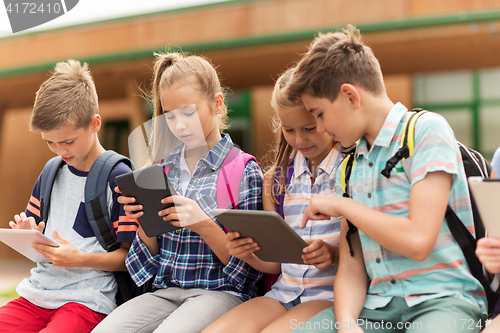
x,y
20,315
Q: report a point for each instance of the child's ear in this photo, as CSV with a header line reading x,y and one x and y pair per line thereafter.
x,y
219,103
96,123
352,95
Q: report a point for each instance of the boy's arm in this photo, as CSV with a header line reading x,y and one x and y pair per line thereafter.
x,y
413,236
351,281
67,255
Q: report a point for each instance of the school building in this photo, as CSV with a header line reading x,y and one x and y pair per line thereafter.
x,y
436,54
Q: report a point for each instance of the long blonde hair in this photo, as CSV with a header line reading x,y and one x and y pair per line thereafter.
x,y
172,69
281,153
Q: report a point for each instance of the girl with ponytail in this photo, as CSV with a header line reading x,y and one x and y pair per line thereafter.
x,y
194,278
304,164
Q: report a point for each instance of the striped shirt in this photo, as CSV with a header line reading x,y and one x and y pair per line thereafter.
x,y
306,282
185,260
444,272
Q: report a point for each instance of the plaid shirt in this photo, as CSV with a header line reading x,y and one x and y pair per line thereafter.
x,y
185,260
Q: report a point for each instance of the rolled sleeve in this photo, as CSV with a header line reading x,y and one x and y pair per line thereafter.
x,y
141,265
436,148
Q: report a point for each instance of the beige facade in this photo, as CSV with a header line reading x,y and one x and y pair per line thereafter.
x,y
250,42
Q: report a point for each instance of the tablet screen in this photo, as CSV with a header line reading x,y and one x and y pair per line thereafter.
x,y
278,242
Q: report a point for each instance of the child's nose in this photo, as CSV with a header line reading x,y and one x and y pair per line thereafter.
x,y
300,138
180,125
319,126
60,150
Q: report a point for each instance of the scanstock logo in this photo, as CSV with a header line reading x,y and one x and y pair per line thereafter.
x,y
25,14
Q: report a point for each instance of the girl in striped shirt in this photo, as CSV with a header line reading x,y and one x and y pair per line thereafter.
x,y
305,164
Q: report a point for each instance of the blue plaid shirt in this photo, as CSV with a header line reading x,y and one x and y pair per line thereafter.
x,y
185,260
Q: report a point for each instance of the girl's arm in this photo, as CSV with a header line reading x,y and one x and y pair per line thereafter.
x,y
413,236
351,281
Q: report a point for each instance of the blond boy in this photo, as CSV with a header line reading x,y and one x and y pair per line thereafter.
x,y
76,290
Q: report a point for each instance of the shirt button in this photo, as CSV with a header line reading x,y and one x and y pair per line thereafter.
x,y
378,260
393,281
370,164
369,195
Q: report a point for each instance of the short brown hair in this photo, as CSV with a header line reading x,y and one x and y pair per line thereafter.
x,y
332,60
68,97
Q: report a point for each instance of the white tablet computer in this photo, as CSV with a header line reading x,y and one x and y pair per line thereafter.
x,y
21,240
278,242
486,194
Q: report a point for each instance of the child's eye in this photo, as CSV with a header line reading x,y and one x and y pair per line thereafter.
x,y
69,142
190,114
310,129
319,115
170,117
288,130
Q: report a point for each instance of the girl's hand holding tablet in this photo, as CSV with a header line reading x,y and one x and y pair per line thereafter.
x,y
186,213
241,248
132,211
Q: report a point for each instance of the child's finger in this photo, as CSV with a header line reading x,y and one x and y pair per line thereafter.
x,y
117,190
314,244
232,235
125,200
40,226
244,251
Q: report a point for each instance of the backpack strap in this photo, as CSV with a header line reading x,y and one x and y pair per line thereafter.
x,y
47,180
467,244
95,198
280,197
345,175
228,186
407,142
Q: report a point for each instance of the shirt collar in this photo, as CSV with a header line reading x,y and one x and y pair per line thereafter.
x,y
327,165
386,133
212,158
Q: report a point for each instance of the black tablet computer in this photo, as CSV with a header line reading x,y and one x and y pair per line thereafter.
x,y
149,186
278,242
